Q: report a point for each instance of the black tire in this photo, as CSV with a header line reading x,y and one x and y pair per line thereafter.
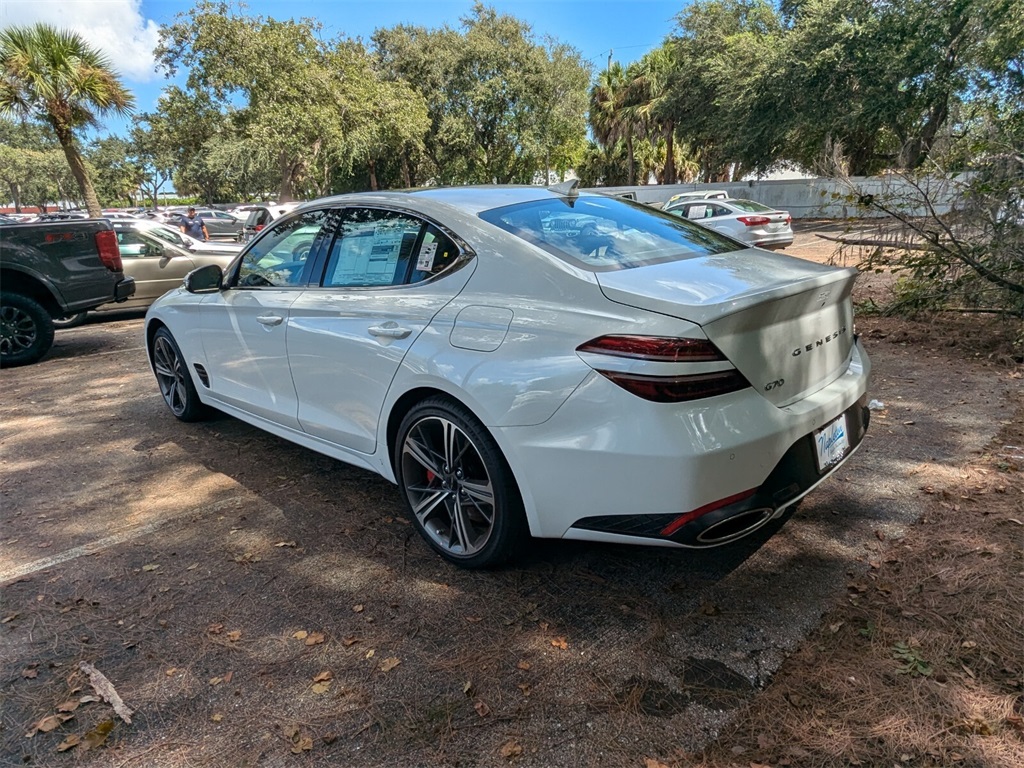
x,y
26,330
70,321
459,490
172,375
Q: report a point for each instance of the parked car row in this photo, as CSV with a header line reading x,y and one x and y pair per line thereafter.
x,y
157,257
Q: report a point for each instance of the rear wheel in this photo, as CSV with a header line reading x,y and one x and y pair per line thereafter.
x,y
172,375
70,321
26,330
458,488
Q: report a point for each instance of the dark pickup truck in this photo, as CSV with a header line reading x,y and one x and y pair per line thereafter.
x,y
53,270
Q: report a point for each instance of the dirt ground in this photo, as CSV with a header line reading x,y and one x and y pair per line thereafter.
x,y
254,603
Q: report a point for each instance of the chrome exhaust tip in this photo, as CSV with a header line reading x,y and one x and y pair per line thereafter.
x,y
733,527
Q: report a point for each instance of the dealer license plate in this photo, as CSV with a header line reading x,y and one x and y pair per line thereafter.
x,y
832,442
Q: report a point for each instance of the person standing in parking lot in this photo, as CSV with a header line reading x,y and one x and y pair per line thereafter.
x,y
194,226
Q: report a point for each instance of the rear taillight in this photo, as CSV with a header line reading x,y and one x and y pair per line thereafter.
x,y
110,254
259,227
789,219
678,389
754,221
662,349
665,388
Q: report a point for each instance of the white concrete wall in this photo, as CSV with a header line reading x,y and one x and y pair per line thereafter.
x,y
808,198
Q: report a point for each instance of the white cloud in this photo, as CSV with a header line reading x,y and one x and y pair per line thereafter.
x,y
116,27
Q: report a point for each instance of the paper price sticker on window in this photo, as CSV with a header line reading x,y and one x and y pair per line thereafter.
x,y
426,258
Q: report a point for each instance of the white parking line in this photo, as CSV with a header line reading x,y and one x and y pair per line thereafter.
x,y
129,533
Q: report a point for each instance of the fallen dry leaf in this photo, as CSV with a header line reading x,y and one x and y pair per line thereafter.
x,y
69,706
216,717
315,638
358,608
216,680
523,665
97,735
228,676
369,653
215,629
323,677
525,688
71,741
319,688
234,635
390,663
302,744
650,762
300,635
511,749
285,544
151,567
170,672
710,609
481,708
29,673
47,724
8,617
350,640
467,687
560,642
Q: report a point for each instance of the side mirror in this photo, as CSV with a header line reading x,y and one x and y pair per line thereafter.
x,y
206,279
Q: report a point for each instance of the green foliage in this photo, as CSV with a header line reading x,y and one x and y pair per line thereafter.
x,y
502,107
911,661
850,85
55,77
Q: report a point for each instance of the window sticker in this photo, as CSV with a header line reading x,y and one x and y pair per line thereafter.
x,y
425,262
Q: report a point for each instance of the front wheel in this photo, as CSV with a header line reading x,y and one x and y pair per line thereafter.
x,y
26,330
458,488
172,375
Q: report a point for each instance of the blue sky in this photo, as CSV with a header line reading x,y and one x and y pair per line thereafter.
x,y
126,30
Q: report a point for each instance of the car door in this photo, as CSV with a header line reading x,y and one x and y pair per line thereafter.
x,y
245,325
157,266
387,274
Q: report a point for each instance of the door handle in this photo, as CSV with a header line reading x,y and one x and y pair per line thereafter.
x,y
269,319
389,330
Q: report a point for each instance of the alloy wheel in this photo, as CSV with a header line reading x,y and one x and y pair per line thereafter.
x,y
170,375
18,331
448,486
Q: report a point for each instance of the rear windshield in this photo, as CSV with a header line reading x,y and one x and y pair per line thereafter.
x,y
603,234
749,206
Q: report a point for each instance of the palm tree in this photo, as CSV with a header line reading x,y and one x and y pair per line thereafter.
x,y
55,76
610,113
652,84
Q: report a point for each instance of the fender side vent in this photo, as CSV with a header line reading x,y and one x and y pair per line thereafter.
x,y
203,375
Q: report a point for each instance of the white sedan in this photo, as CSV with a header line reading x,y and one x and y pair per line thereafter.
x,y
527,361
749,222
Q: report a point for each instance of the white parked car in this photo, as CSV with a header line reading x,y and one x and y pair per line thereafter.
x,y
744,220
699,194
523,361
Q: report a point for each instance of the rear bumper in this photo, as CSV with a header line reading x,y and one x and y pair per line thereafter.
x,y
609,466
124,289
773,241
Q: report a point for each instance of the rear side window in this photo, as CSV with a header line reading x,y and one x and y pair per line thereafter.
x,y
375,248
603,234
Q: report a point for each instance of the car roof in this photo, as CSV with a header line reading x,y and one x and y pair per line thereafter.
x,y
471,199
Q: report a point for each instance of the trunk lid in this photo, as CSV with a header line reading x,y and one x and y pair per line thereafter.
x,y
785,323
